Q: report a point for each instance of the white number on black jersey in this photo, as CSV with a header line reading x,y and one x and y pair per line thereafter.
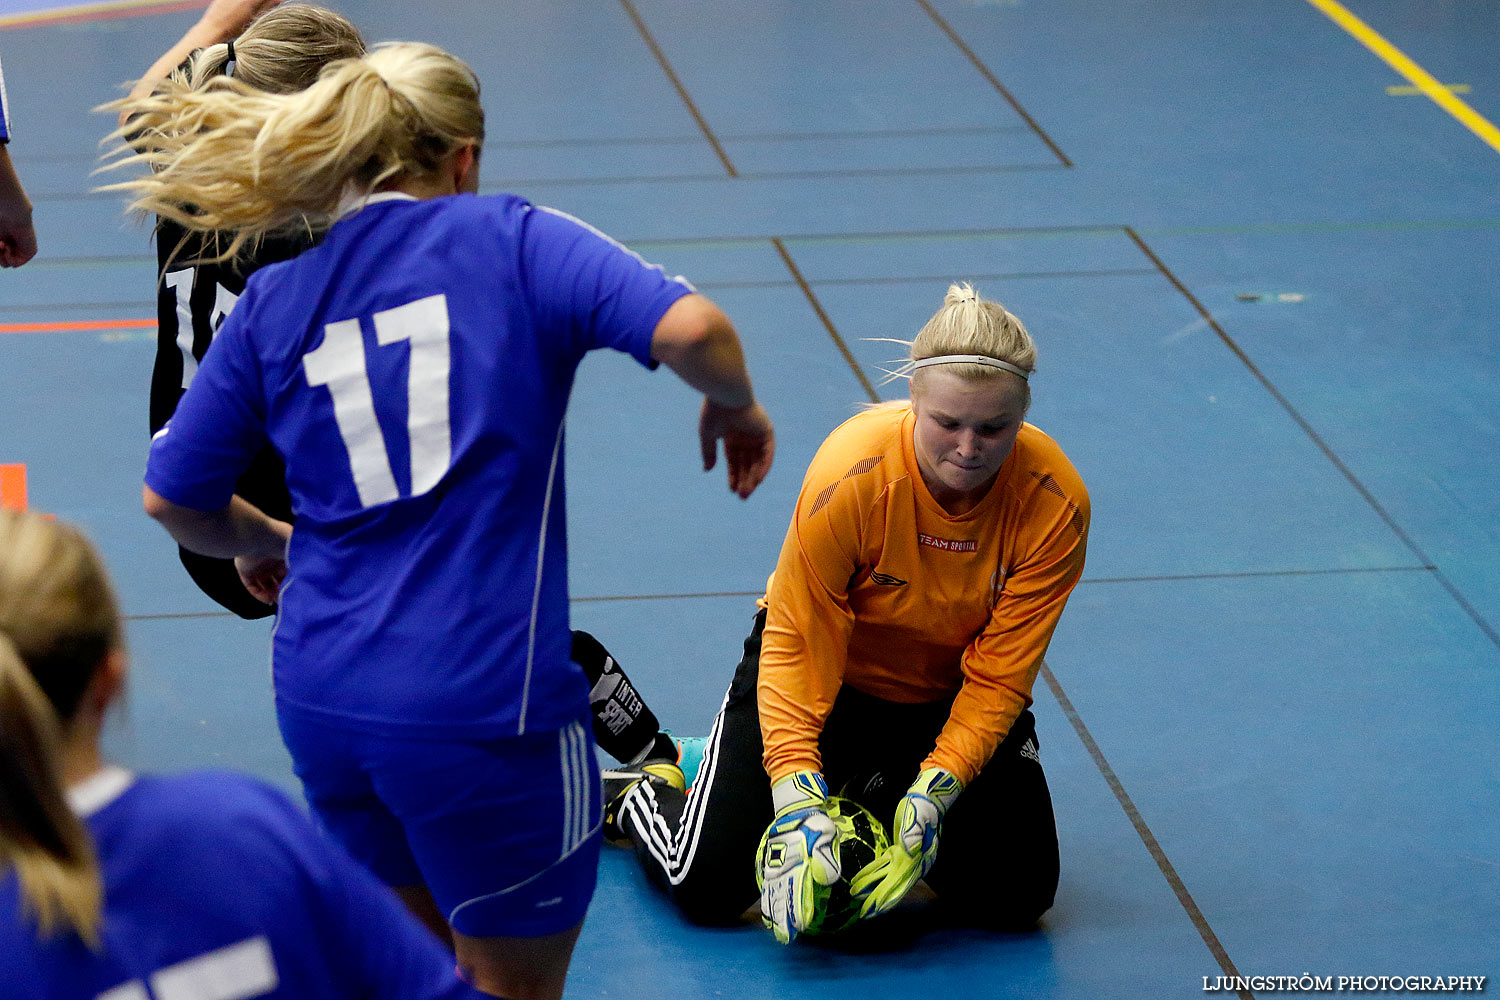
x,y
339,363
181,283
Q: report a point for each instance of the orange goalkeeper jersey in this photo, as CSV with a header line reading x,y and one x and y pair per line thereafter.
x,y
878,587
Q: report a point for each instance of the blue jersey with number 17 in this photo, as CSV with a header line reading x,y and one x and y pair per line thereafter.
x,y
413,371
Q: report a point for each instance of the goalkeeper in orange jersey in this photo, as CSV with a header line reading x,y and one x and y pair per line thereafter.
x,y
934,546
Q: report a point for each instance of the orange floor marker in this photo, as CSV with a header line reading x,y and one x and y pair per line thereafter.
x,y
13,487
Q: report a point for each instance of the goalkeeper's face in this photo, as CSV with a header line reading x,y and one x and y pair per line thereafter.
x,y
965,430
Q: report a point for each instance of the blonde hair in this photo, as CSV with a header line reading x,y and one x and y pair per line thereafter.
x,y
58,621
282,51
229,157
968,324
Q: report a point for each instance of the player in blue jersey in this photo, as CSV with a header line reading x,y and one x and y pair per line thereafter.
x,y
413,371
201,885
282,49
17,234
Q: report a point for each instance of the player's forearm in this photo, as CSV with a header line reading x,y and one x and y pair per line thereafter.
x,y
977,724
15,207
801,670
11,191
696,340
238,529
17,235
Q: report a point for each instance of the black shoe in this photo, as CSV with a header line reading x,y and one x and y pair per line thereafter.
x,y
618,783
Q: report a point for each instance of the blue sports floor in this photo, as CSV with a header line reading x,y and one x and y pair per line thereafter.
x,y
1261,266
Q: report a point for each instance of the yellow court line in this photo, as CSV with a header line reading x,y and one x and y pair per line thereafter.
x,y
1419,77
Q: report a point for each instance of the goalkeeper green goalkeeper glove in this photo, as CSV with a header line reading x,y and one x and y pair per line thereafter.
x,y
797,860
914,842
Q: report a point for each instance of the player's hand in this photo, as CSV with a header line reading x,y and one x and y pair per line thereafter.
x,y
885,881
749,443
798,862
227,18
17,234
17,239
262,577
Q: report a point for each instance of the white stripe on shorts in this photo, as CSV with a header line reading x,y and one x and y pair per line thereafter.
x,y
573,746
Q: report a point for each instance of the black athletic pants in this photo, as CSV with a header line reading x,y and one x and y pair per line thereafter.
x,y
997,863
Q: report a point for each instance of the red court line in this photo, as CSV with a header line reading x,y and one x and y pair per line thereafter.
x,y
74,14
12,487
76,325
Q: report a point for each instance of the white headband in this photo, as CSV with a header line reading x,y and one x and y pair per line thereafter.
x,y
972,359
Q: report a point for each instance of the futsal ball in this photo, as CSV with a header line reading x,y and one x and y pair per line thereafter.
x,y
859,840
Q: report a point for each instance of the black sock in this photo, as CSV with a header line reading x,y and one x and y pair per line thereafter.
x,y
624,726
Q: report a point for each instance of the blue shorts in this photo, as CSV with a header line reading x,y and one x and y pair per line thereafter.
x,y
503,832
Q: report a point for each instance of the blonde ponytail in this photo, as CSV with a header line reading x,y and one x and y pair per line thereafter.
x,y
230,157
281,51
58,623
40,837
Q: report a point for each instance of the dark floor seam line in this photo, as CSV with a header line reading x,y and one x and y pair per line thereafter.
x,y
514,184
495,143
1101,229
1167,578
77,306
993,80
600,599
838,341
676,140
1134,272
510,184
1144,832
667,597
897,234
56,196
1273,228
1317,440
666,67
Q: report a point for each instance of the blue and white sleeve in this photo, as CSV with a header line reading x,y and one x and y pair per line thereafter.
x,y
598,292
4,109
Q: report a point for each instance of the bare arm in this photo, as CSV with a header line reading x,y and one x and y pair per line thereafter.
x,y
696,340
17,235
238,529
222,21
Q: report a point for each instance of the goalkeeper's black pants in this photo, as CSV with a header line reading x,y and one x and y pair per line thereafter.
x,y
997,863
